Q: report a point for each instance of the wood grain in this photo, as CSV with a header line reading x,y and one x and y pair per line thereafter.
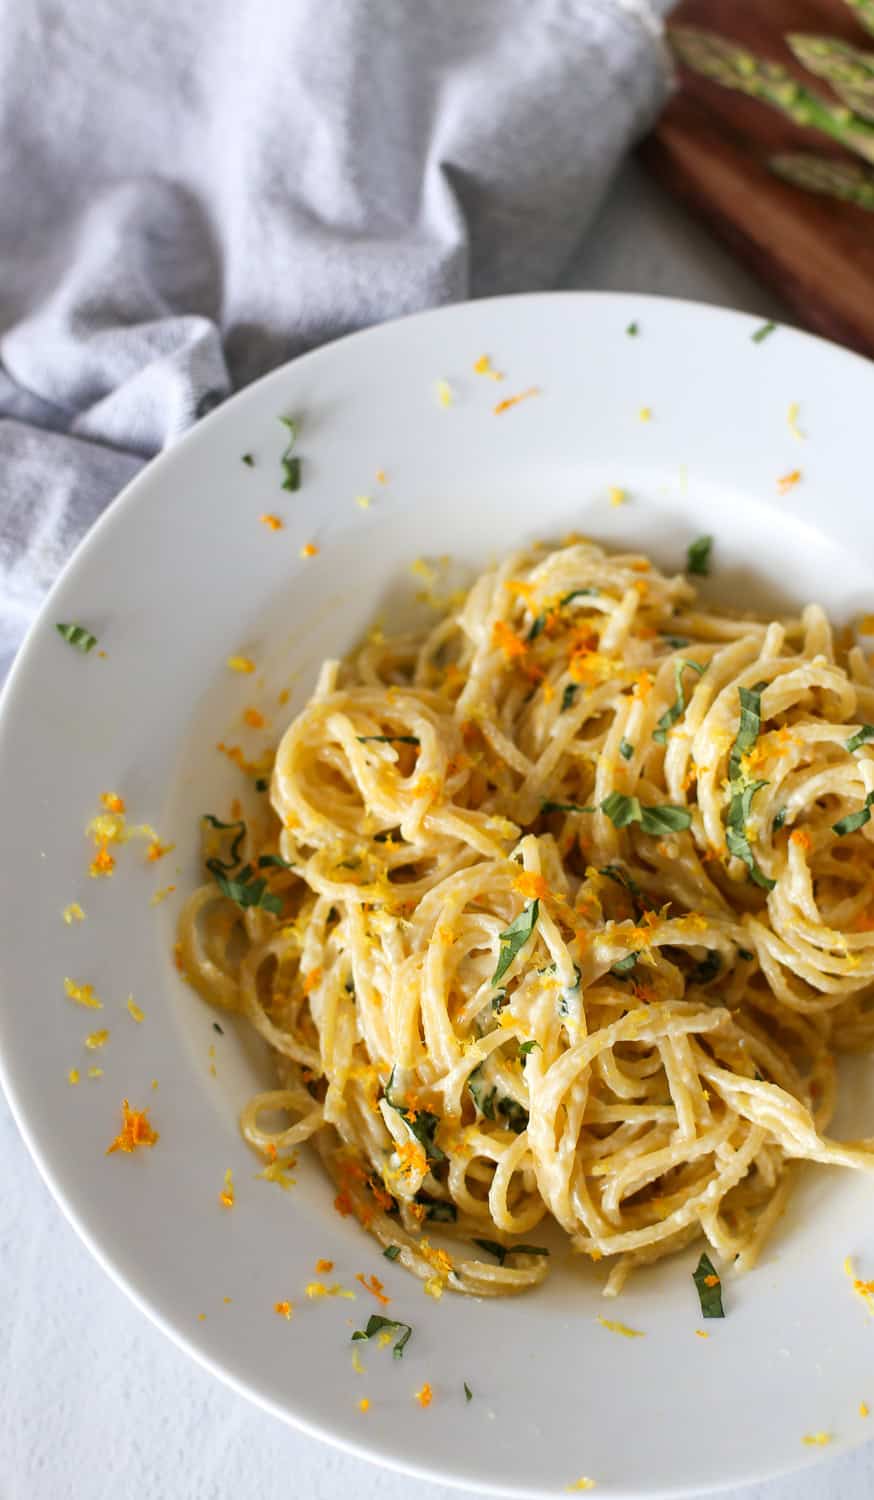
x,y
711,148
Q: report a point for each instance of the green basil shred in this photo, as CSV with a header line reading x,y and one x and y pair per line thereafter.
x,y
391,1252
710,1297
387,739
742,789
855,820
626,749
698,556
763,333
78,636
515,937
678,707
468,1393
568,696
656,820
290,462
376,1324
860,737
421,1123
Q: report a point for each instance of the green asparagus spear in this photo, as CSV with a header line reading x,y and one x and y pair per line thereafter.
x,y
847,180
725,63
864,13
849,71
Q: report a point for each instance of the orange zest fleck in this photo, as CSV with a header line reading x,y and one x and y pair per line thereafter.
x,y
531,886
112,802
324,1265
157,850
273,522
373,1285
788,480
711,1281
425,1395
309,550
381,476
511,644
642,686
103,862
226,1196
484,366
364,1404
509,401
283,1309
253,718
241,664
135,1131
801,837
83,994
311,980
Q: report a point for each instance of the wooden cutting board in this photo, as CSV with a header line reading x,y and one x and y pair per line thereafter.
x,y
711,146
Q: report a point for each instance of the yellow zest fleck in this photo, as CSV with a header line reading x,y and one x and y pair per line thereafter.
x,y
253,718
425,1395
788,480
425,786
817,1439
700,1334
83,994
373,1285
241,664
484,366
133,1009
226,1196
383,1340
226,1300
97,1039
514,400
309,549
621,1328
617,496
381,476
277,1171
864,1409
135,1130
863,1289
73,913
112,802
201,1317
157,850
583,1483
324,1266
412,1158
73,1076
102,864
275,523
434,1286
356,1362
364,1404
445,393
283,1310
531,886
161,894
548,691
318,1289
642,686
95,1072
793,420
363,502
645,414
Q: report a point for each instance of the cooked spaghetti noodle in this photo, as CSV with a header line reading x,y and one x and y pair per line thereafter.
x,y
566,907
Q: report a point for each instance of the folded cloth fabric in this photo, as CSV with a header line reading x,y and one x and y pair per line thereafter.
x,y
194,193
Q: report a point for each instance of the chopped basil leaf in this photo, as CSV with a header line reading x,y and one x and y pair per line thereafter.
x,y
247,893
709,1288
290,464
762,333
483,1099
748,728
626,749
248,460
620,877
736,834
528,1047
568,696
436,1209
422,1124
569,992
779,819
235,855
262,784
387,739
376,1323
275,860
515,937
577,594
468,1393
698,556
676,642
707,969
664,818
568,807
492,1247
746,954
860,737
499,1001
625,965
391,1252
855,820
78,636
678,707
216,1027
537,627
632,330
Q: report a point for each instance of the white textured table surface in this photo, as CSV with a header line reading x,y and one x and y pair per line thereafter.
x,y
96,1404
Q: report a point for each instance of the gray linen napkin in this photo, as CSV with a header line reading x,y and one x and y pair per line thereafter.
x,y
193,193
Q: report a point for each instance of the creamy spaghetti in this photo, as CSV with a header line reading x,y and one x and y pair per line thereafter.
x,y
564,909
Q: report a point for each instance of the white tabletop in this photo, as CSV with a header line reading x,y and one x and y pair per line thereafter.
x,y
96,1404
